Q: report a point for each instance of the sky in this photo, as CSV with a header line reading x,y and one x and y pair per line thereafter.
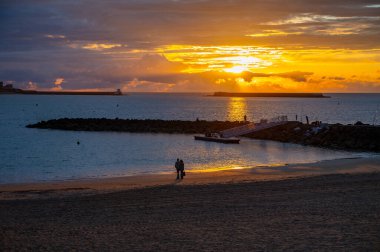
x,y
191,45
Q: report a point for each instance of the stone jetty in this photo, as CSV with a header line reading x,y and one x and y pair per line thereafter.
x,y
137,126
358,137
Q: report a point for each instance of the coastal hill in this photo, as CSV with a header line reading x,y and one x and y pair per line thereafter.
x,y
358,137
9,89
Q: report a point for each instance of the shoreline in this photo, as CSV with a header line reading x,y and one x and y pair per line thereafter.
x,y
90,186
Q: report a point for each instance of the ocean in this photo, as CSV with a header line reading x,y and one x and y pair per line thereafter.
x,y
35,155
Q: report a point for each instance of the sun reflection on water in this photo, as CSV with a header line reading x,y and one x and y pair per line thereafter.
x,y
258,168
237,108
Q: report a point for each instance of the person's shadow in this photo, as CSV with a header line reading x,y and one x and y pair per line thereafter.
x,y
177,181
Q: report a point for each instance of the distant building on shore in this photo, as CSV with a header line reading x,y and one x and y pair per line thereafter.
x,y
6,87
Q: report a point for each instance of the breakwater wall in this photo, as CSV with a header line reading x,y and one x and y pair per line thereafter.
x,y
348,137
135,125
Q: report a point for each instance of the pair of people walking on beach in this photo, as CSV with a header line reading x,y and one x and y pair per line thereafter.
x,y
180,168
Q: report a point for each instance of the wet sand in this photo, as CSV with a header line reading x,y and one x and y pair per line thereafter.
x,y
240,210
265,173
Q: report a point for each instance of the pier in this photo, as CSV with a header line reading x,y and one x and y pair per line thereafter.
x,y
254,127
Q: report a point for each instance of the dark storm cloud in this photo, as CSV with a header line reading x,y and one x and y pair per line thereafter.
x,y
43,40
142,24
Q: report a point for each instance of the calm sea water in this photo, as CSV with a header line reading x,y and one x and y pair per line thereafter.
x,y
30,155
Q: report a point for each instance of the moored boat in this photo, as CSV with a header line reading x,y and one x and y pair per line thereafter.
x,y
217,138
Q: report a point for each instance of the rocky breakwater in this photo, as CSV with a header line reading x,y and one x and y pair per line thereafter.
x,y
349,137
337,136
134,125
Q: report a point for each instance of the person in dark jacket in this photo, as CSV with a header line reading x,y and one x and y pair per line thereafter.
x,y
177,167
182,168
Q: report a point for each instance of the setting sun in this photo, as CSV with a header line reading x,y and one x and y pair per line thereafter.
x,y
236,69
244,63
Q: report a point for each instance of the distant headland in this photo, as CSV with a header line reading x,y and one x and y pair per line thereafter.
x,y
9,89
291,95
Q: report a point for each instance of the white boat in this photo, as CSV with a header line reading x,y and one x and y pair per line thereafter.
x,y
215,137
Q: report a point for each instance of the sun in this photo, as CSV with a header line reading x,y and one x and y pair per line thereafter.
x,y
236,69
242,63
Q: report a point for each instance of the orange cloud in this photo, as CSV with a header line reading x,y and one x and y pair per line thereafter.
x,y
146,86
59,81
100,46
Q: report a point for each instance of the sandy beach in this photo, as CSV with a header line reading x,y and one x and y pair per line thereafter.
x,y
334,207
114,184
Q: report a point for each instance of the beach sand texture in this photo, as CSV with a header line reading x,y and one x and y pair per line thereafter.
x,y
338,212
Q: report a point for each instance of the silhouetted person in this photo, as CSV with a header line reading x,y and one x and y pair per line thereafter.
x,y
245,118
177,167
182,168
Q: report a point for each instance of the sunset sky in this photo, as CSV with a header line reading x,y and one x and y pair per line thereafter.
x,y
191,45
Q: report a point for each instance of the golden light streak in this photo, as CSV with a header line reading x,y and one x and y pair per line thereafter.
x,y
237,108
269,33
95,46
233,59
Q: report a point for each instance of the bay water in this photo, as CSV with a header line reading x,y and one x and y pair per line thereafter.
x,y
35,155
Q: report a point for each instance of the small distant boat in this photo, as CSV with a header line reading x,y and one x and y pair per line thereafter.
x,y
215,137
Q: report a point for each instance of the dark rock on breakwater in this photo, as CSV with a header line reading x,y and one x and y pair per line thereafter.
x,y
350,137
135,125
337,136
